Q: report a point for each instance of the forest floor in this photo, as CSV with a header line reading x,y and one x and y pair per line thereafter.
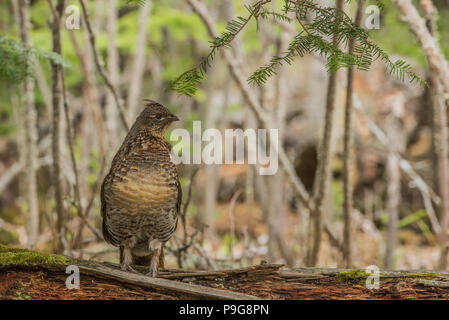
x,y
42,276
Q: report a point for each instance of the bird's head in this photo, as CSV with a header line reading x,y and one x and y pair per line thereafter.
x,y
156,118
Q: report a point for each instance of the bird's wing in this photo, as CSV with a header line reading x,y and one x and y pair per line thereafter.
x,y
103,202
121,154
106,234
178,204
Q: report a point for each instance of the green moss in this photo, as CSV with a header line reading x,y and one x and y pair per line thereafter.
x,y
357,275
352,275
21,257
4,248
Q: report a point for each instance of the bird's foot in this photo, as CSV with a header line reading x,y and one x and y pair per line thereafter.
x,y
152,273
127,267
155,247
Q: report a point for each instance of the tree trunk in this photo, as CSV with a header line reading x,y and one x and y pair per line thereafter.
x,y
30,132
440,140
324,162
57,179
393,194
348,161
396,138
138,67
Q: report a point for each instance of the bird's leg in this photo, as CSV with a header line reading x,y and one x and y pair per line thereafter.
x,y
127,260
155,247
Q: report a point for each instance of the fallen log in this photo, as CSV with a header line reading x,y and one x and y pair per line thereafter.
x,y
191,290
26,274
20,259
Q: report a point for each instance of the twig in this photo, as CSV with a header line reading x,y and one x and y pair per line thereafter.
x,y
428,44
210,262
425,190
254,105
82,213
250,97
434,283
187,240
100,69
232,222
8,176
187,201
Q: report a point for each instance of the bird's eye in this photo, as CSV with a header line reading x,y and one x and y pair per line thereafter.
x,y
158,116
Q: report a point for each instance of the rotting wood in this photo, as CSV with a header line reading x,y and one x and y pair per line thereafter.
x,y
296,276
434,283
251,271
263,281
194,290
385,273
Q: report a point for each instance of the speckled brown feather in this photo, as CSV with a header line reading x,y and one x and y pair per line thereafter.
x,y
141,194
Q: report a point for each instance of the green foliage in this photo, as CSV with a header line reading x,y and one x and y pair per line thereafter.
x,y
15,59
312,39
412,218
331,22
337,197
6,129
187,83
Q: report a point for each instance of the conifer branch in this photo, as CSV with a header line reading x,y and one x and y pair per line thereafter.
x,y
187,83
328,22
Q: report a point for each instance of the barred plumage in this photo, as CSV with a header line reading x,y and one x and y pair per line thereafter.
x,y
141,194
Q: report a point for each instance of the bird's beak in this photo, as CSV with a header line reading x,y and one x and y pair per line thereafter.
x,y
174,118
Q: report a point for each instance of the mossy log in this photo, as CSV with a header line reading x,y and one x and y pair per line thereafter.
x,y
26,274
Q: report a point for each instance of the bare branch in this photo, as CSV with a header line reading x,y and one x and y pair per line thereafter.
x,y
428,44
100,69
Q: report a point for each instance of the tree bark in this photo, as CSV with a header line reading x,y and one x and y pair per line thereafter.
x,y
348,161
440,144
57,179
396,138
428,44
30,132
324,162
393,194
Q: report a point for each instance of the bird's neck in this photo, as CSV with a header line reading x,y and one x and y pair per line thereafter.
x,y
142,129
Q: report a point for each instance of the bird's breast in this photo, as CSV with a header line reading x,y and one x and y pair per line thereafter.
x,y
143,191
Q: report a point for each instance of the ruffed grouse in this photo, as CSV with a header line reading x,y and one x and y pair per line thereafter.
x,y
141,195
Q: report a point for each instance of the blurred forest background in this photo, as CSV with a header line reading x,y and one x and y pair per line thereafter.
x,y
372,192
